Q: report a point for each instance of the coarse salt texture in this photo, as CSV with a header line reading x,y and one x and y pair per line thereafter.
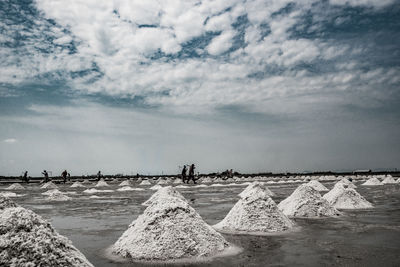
x,y
125,183
164,193
145,182
347,183
49,185
346,198
28,240
373,181
255,212
317,186
389,180
169,229
77,184
305,201
15,186
101,183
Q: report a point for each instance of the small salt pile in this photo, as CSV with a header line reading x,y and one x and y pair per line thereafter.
x,y
86,181
156,187
389,180
101,183
57,196
125,183
207,180
28,240
255,212
145,182
169,229
15,186
164,193
52,191
346,198
128,188
77,184
162,181
94,191
347,183
253,186
305,201
8,194
317,186
177,181
49,185
373,181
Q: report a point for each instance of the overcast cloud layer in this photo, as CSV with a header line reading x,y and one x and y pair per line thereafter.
x,y
146,86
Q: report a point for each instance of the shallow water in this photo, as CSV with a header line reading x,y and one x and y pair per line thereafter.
x,y
358,238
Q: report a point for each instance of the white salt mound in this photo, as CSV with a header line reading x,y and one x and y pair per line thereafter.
x,y
207,180
101,183
8,194
145,182
177,181
255,212
373,181
256,187
346,198
156,187
347,183
58,196
389,180
125,183
127,188
52,191
305,201
15,186
317,186
49,185
28,240
77,184
162,182
162,194
94,191
169,230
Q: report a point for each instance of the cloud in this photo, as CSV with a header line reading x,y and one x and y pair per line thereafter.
x,y
10,140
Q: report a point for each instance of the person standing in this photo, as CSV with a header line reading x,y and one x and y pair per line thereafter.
x,y
98,176
46,176
64,175
25,178
191,174
184,174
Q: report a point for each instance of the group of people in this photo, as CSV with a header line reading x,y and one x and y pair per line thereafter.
x,y
186,179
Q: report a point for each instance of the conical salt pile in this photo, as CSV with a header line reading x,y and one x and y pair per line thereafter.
x,y
125,183
255,212
207,180
162,181
389,180
77,184
373,181
346,198
49,185
28,240
317,186
255,186
169,229
305,201
57,196
156,187
145,182
52,191
347,183
164,193
15,186
177,181
101,183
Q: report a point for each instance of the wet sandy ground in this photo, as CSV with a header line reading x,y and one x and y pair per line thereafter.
x,y
358,238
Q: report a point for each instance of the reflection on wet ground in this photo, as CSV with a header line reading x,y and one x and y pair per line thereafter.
x,y
358,238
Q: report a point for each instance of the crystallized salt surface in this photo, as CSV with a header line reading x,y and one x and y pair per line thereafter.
x,y
6,202
156,187
317,186
169,230
49,185
207,180
128,188
256,187
58,196
164,193
145,182
15,186
182,186
94,191
77,184
346,198
373,181
52,191
101,183
162,181
125,183
255,212
305,201
201,186
28,240
217,185
347,182
177,181
9,194
389,180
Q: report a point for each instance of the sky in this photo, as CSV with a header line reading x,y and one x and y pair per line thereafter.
x,y
129,86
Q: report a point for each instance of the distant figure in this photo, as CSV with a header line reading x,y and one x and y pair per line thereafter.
x,y
98,176
46,176
231,173
184,174
64,175
69,176
25,178
191,174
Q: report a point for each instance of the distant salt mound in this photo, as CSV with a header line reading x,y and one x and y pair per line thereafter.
x,y
49,185
52,191
128,188
101,183
317,186
28,240
162,194
347,183
389,180
182,186
346,198
15,186
57,196
162,181
373,181
8,194
305,201
398,181
217,185
77,184
125,183
256,187
255,212
169,230
207,180
156,187
145,182
86,181
177,181
94,191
